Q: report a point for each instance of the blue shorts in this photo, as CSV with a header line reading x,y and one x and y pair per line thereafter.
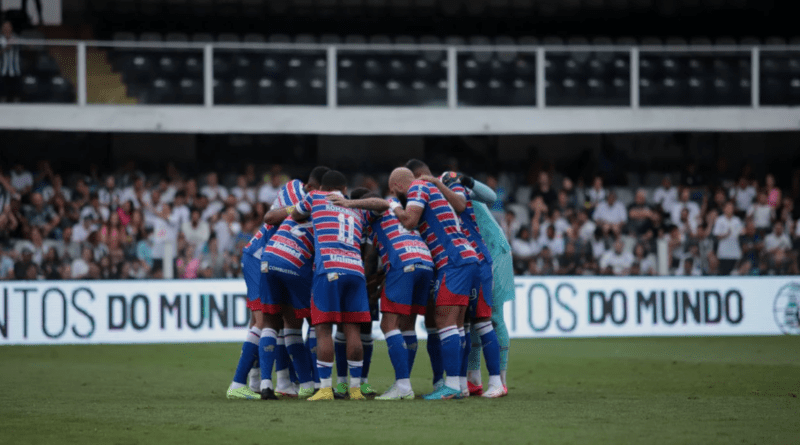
x,y
481,305
456,285
339,298
251,269
286,288
407,290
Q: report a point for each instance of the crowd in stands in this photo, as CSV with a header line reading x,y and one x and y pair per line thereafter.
x,y
55,225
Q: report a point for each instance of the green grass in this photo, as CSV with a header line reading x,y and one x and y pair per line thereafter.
x,y
570,391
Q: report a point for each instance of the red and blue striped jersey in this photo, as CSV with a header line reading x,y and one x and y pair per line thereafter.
x,y
337,234
291,248
397,246
256,244
290,194
440,227
470,225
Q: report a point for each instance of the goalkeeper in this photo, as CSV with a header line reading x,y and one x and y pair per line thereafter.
x,y
503,272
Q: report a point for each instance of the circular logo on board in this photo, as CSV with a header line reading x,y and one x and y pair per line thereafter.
x,y
786,308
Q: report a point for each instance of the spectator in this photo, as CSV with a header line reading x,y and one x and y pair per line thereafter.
x,y
6,265
95,210
596,194
245,195
226,229
743,194
165,236
774,195
645,263
640,215
727,228
196,230
21,267
545,190
10,71
49,192
180,209
269,191
134,193
778,251
545,264
510,225
41,215
212,190
524,248
571,262
666,195
36,245
761,213
752,243
109,195
610,215
616,261
552,241
684,203
188,264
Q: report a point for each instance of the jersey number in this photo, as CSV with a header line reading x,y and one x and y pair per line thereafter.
x,y
347,228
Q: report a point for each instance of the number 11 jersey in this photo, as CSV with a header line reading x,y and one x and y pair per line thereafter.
x,y
338,233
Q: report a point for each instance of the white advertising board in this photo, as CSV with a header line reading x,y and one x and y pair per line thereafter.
x,y
177,311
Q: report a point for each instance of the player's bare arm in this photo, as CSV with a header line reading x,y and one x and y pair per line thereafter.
x,y
275,217
298,216
377,205
458,202
408,217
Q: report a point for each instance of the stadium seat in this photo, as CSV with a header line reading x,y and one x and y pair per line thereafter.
x,y
191,91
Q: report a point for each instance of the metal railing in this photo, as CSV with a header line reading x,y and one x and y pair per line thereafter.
x,y
451,52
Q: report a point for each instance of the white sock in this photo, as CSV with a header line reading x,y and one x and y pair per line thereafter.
x,y
463,382
235,385
341,379
495,381
307,385
355,382
474,377
283,378
503,377
325,383
317,385
403,385
453,383
266,383
364,380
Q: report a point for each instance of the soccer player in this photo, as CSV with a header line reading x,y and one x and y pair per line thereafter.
x,y
251,268
408,269
481,307
286,276
339,291
455,262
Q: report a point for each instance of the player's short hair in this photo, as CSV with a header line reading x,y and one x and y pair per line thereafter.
x,y
358,192
415,164
318,172
333,180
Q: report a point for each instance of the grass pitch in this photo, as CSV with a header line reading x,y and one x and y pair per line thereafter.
x,y
570,391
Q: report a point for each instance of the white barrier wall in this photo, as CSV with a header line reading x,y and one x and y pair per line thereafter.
x,y
206,311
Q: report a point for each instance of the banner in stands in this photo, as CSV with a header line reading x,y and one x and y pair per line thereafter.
x,y
174,311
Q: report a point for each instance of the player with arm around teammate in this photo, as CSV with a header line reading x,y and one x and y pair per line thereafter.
x,y
455,268
408,270
481,309
339,291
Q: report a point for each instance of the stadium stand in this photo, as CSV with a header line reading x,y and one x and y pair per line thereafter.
x,y
64,225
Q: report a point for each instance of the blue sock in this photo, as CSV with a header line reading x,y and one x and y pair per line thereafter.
x,y
311,346
267,348
340,354
355,372
366,344
451,354
249,354
435,353
281,356
298,355
466,346
398,354
410,337
491,347
324,369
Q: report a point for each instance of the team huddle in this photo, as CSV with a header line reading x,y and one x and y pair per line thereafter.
x,y
432,249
